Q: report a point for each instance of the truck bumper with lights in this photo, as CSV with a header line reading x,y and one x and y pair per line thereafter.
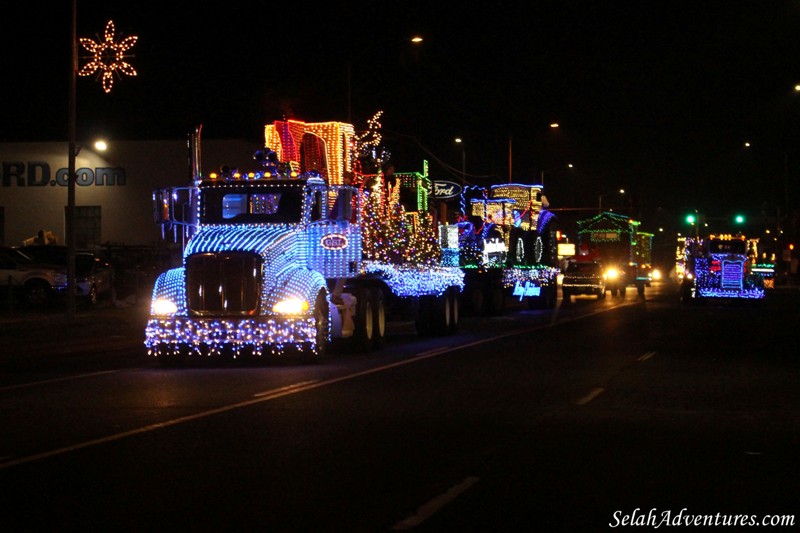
x,y
211,336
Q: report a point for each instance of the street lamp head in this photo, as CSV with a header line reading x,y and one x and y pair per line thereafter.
x,y
416,39
458,140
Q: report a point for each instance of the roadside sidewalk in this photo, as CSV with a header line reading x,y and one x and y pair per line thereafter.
x,y
105,326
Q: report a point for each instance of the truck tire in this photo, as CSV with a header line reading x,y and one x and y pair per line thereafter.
x,y
364,335
495,298
378,319
453,303
438,315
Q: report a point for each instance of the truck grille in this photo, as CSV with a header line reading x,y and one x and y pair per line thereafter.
x,y
223,283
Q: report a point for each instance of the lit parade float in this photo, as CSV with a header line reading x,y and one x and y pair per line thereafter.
x,y
505,241
305,250
722,267
624,250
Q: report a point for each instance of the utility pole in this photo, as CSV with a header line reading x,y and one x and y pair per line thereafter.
x,y
70,214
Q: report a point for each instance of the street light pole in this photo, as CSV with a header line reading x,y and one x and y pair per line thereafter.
x,y
463,163
70,214
415,40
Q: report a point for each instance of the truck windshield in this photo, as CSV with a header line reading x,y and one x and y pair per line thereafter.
x,y
242,206
727,247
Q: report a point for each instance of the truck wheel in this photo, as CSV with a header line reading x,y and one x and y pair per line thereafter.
x,y
435,315
378,319
495,299
453,305
622,291
640,289
364,334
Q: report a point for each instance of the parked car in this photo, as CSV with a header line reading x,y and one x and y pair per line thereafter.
x,y
94,276
26,278
583,277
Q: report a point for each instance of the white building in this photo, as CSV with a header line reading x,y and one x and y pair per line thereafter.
x,y
113,193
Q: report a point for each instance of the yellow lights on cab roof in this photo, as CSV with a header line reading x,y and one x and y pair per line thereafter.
x,y
248,176
727,237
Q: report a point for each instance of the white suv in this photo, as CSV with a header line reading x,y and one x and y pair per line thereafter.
x,y
21,276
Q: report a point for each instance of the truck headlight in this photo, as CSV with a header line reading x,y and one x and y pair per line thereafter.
x,y
656,274
612,273
163,307
290,306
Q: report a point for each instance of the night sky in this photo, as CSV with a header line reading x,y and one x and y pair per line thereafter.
x,y
658,98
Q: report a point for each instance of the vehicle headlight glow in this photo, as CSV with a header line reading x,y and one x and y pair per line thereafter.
x,y
163,307
612,273
291,306
656,274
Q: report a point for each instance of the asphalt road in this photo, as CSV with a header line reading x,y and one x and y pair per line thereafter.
x,y
597,414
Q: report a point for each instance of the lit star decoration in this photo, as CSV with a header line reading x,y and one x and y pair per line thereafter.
x,y
108,57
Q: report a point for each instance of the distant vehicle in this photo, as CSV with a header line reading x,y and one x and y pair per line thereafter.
x,y
721,267
624,250
583,277
32,281
94,276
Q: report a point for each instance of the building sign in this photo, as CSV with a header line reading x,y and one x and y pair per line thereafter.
x,y
40,174
442,190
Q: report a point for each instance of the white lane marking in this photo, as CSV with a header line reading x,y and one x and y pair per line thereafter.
x,y
263,397
427,510
645,357
56,380
286,388
594,393
271,395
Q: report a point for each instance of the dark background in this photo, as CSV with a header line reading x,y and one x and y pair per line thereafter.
x,y
658,98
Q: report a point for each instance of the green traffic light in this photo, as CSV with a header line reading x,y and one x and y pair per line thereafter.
x,y
739,219
691,219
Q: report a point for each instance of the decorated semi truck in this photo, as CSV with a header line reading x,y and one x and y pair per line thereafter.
x,y
720,267
506,243
624,250
304,250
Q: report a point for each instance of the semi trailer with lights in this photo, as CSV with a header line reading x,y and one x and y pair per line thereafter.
x,y
506,244
721,267
624,250
305,250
